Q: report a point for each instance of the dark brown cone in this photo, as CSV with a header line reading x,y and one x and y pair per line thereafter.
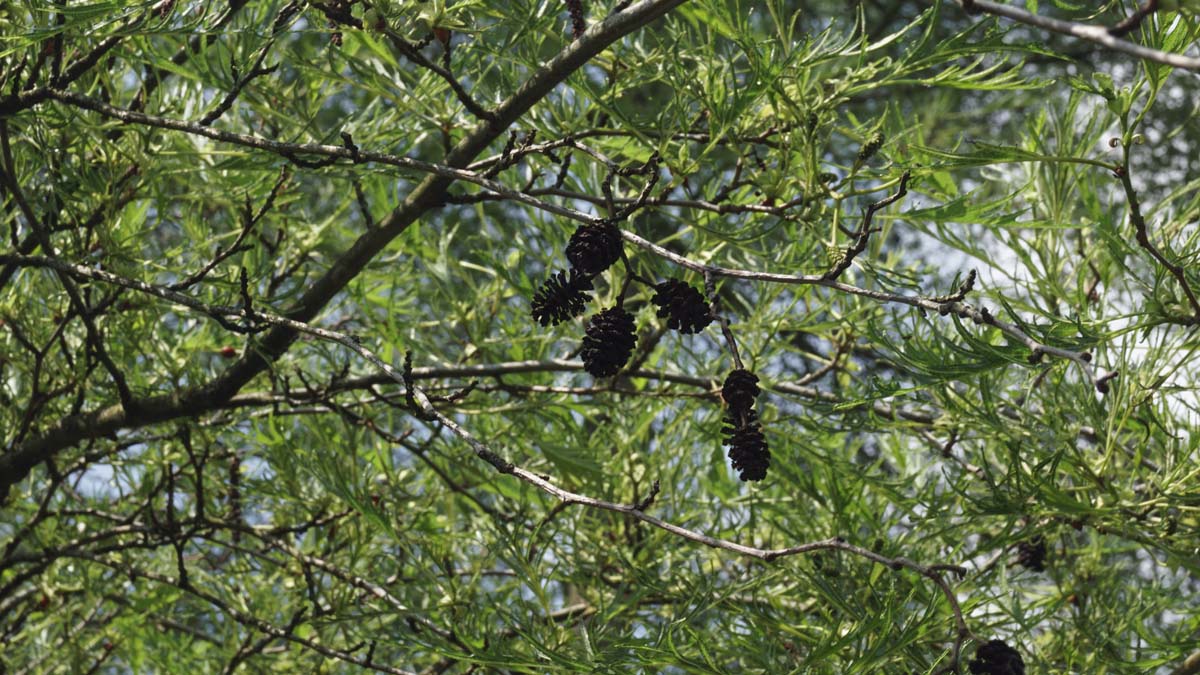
x,y
1032,554
740,390
997,658
594,247
578,23
608,343
748,452
563,296
682,306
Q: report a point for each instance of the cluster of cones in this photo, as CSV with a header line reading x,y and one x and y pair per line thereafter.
x,y
610,334
748,450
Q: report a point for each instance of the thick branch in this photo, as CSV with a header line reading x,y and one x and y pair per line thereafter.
x,y
1097,34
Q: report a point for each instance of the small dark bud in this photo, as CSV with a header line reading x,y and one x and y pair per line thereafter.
x,y
868,150
609,342
748,452
969,283
682,306
1035,357
740,390
1086,356
562,296
594,247
1032,554
997,658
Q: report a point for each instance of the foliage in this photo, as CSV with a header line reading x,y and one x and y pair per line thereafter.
x,y
273,398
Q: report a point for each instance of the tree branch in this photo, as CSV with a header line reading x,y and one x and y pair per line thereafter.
x,y
1097,34
1143,239
864,231
428,195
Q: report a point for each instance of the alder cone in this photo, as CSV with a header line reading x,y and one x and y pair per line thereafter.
x,y
740,390
997,658
594,247
748,451
682,306
608,343
1032,554
563,296
578,22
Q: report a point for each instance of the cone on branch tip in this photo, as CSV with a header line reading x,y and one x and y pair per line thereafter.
x,y
1032,554
868,149
682,306
563,296
594,247
740,390
608,342
748,451
996,658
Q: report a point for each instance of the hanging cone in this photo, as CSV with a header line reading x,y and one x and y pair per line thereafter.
x,y
562,296
997,658
1032,554
578,22
609,342
682,306
748,452
594,247
740,391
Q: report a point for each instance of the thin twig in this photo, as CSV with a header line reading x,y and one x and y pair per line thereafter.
x,y
249,221
864,231
1134,20
1143,239
412,54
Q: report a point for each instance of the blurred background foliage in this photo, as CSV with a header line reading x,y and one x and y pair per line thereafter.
x,y
323,527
